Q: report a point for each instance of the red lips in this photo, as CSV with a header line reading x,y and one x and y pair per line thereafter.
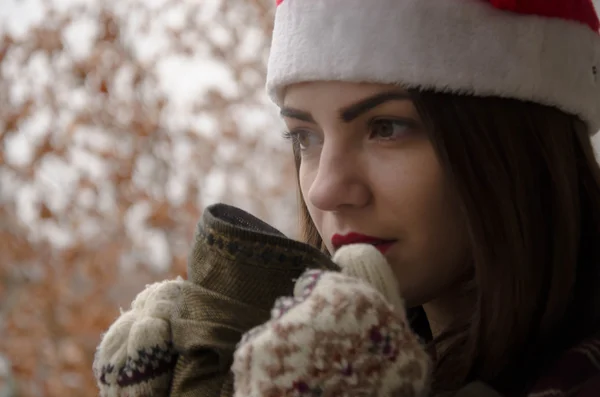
x,y
382,245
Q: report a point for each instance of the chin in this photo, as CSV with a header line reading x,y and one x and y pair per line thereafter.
x,y
414,297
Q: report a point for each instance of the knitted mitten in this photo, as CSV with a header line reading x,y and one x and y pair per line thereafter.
x,y
179,337
338,335
136,355
238,267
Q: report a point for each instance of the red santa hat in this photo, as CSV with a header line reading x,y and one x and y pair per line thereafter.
x,y
544,51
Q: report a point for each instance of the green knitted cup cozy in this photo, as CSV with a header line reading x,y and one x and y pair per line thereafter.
x,y
238,267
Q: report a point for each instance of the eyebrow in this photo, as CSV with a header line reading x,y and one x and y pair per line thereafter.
x,y
350,112
297,114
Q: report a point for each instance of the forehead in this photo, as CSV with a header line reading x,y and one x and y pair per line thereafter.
x,y
313,94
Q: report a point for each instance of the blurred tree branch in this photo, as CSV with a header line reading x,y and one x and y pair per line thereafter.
x,y
119,121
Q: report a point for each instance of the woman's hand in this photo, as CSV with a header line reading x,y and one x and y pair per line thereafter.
x,y
338,335
136,356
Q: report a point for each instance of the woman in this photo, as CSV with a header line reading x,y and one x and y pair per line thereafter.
x,y
488,208
454,135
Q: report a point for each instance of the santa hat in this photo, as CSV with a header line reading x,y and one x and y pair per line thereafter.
x,y
544,51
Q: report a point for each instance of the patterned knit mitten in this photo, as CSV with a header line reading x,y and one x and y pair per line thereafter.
x,y
340,334
136,357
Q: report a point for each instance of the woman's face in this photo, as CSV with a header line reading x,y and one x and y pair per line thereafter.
x,y
369,173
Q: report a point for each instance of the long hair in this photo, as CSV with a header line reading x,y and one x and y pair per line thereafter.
x,y
529,188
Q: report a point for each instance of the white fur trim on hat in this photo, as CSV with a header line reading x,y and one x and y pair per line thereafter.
x,y
461,46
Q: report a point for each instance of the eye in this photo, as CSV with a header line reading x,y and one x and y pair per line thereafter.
x,y
389,129
305,139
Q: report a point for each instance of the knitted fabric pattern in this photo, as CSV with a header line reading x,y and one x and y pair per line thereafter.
x,y
336,336
238,267
136,355
179,337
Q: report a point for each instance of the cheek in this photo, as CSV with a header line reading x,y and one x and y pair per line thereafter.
x,y
443,238
433,252
306,178
416,193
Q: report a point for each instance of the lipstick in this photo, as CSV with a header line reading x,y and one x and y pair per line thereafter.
x,y
383,245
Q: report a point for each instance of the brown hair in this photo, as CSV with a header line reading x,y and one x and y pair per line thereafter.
x,y
529,186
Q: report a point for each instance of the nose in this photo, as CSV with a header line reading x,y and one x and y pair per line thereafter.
x,y
339,181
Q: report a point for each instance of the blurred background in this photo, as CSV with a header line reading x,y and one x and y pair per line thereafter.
x,y
119,122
